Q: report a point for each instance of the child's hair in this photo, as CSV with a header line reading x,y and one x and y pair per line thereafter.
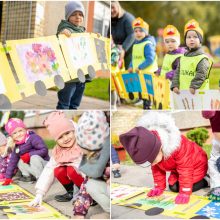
x,y
92,129
14,123
57,124
3,139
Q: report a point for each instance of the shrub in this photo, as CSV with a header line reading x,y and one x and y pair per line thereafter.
x,y
198,135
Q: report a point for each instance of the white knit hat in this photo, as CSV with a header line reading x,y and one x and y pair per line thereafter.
x,y
92,129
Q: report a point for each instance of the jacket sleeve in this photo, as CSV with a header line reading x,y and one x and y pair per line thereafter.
x,y
39,147
96,169
175,80
13,162
46,178
159,177
201,74
149,54
184,167
129,40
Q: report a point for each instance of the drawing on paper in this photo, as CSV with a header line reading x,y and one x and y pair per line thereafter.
x,y
80,52
26,209
211,210
13,196
38,61
131,82
149,84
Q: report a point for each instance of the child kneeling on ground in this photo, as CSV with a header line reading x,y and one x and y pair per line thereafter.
x,y
30,153
156,141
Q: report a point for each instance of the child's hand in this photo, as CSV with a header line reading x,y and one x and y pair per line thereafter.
x,y
66,32
122,54
155,192
192,91
25,157
182,198
130,70
7,182
137,70
37,201
176,90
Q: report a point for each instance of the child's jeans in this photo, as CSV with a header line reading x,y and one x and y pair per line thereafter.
x,y
35,167
213,171
71,95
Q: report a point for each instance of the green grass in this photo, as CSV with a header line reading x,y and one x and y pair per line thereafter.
x,y
50,143
128,160
214,78
98,88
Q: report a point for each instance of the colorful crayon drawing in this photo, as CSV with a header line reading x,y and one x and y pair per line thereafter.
x,y
79,50
211,210
166,202
14,196
132,82
38,60
24,211
120,193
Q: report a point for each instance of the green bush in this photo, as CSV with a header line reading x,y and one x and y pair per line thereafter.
x,y
50,143
198,135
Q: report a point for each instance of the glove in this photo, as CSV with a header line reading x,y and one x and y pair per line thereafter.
x,y
155,192
7,182
25,157
37,201
182,198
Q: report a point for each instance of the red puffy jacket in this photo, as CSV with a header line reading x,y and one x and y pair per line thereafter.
x,y
188,165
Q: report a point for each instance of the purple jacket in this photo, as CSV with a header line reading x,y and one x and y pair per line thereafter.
x,y
34,146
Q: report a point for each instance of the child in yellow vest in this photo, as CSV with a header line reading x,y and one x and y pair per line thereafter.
x,y
193,70
144,51
171,37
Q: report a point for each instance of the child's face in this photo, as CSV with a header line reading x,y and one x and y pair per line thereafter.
x,y
67,139
76,18
158,158
192,40
139,34
18,134
170,44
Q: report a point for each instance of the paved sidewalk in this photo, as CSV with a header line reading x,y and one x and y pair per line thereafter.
x,y
137,176
50,101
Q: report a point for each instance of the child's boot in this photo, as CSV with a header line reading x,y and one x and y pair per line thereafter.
x,y
67,196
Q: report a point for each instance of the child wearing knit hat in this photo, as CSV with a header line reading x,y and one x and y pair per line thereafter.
x,y
144,56
171,37
193,71
71,95
156,141
92,135
214,161
6,146
30,153
64,162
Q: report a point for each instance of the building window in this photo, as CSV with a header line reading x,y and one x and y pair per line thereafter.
x,y
101,18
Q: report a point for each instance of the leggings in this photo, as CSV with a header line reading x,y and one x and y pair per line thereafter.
x,y
196,186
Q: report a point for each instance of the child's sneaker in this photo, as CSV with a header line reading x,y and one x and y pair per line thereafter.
x,y
116,173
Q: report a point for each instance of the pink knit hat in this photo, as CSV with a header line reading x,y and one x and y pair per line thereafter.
x,y
3,139
57,124
14,123
92,129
